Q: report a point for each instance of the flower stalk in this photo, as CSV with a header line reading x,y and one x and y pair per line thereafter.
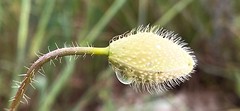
x,y
37,65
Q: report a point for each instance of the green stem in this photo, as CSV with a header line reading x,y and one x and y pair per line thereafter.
x,y
41,28
22,38
93,90
104,20
172,12
58,53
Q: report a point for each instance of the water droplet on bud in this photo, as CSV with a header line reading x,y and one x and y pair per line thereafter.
x,y
123,79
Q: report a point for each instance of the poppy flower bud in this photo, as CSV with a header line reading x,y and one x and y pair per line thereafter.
x,y
151,59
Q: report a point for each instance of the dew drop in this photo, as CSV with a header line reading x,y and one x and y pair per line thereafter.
x,y
123,79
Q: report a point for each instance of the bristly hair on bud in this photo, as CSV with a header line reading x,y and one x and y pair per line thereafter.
x,y
151,59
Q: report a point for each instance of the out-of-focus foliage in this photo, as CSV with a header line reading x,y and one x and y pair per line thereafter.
x,y
211,27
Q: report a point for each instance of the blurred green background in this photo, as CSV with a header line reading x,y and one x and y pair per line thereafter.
x,y
210,27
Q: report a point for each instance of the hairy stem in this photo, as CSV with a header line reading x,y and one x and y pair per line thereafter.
x,y
29,76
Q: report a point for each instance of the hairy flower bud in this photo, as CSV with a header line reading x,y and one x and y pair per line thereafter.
x,y
151,59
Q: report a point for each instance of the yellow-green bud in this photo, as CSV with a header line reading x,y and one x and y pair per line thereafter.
x,y
151,59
